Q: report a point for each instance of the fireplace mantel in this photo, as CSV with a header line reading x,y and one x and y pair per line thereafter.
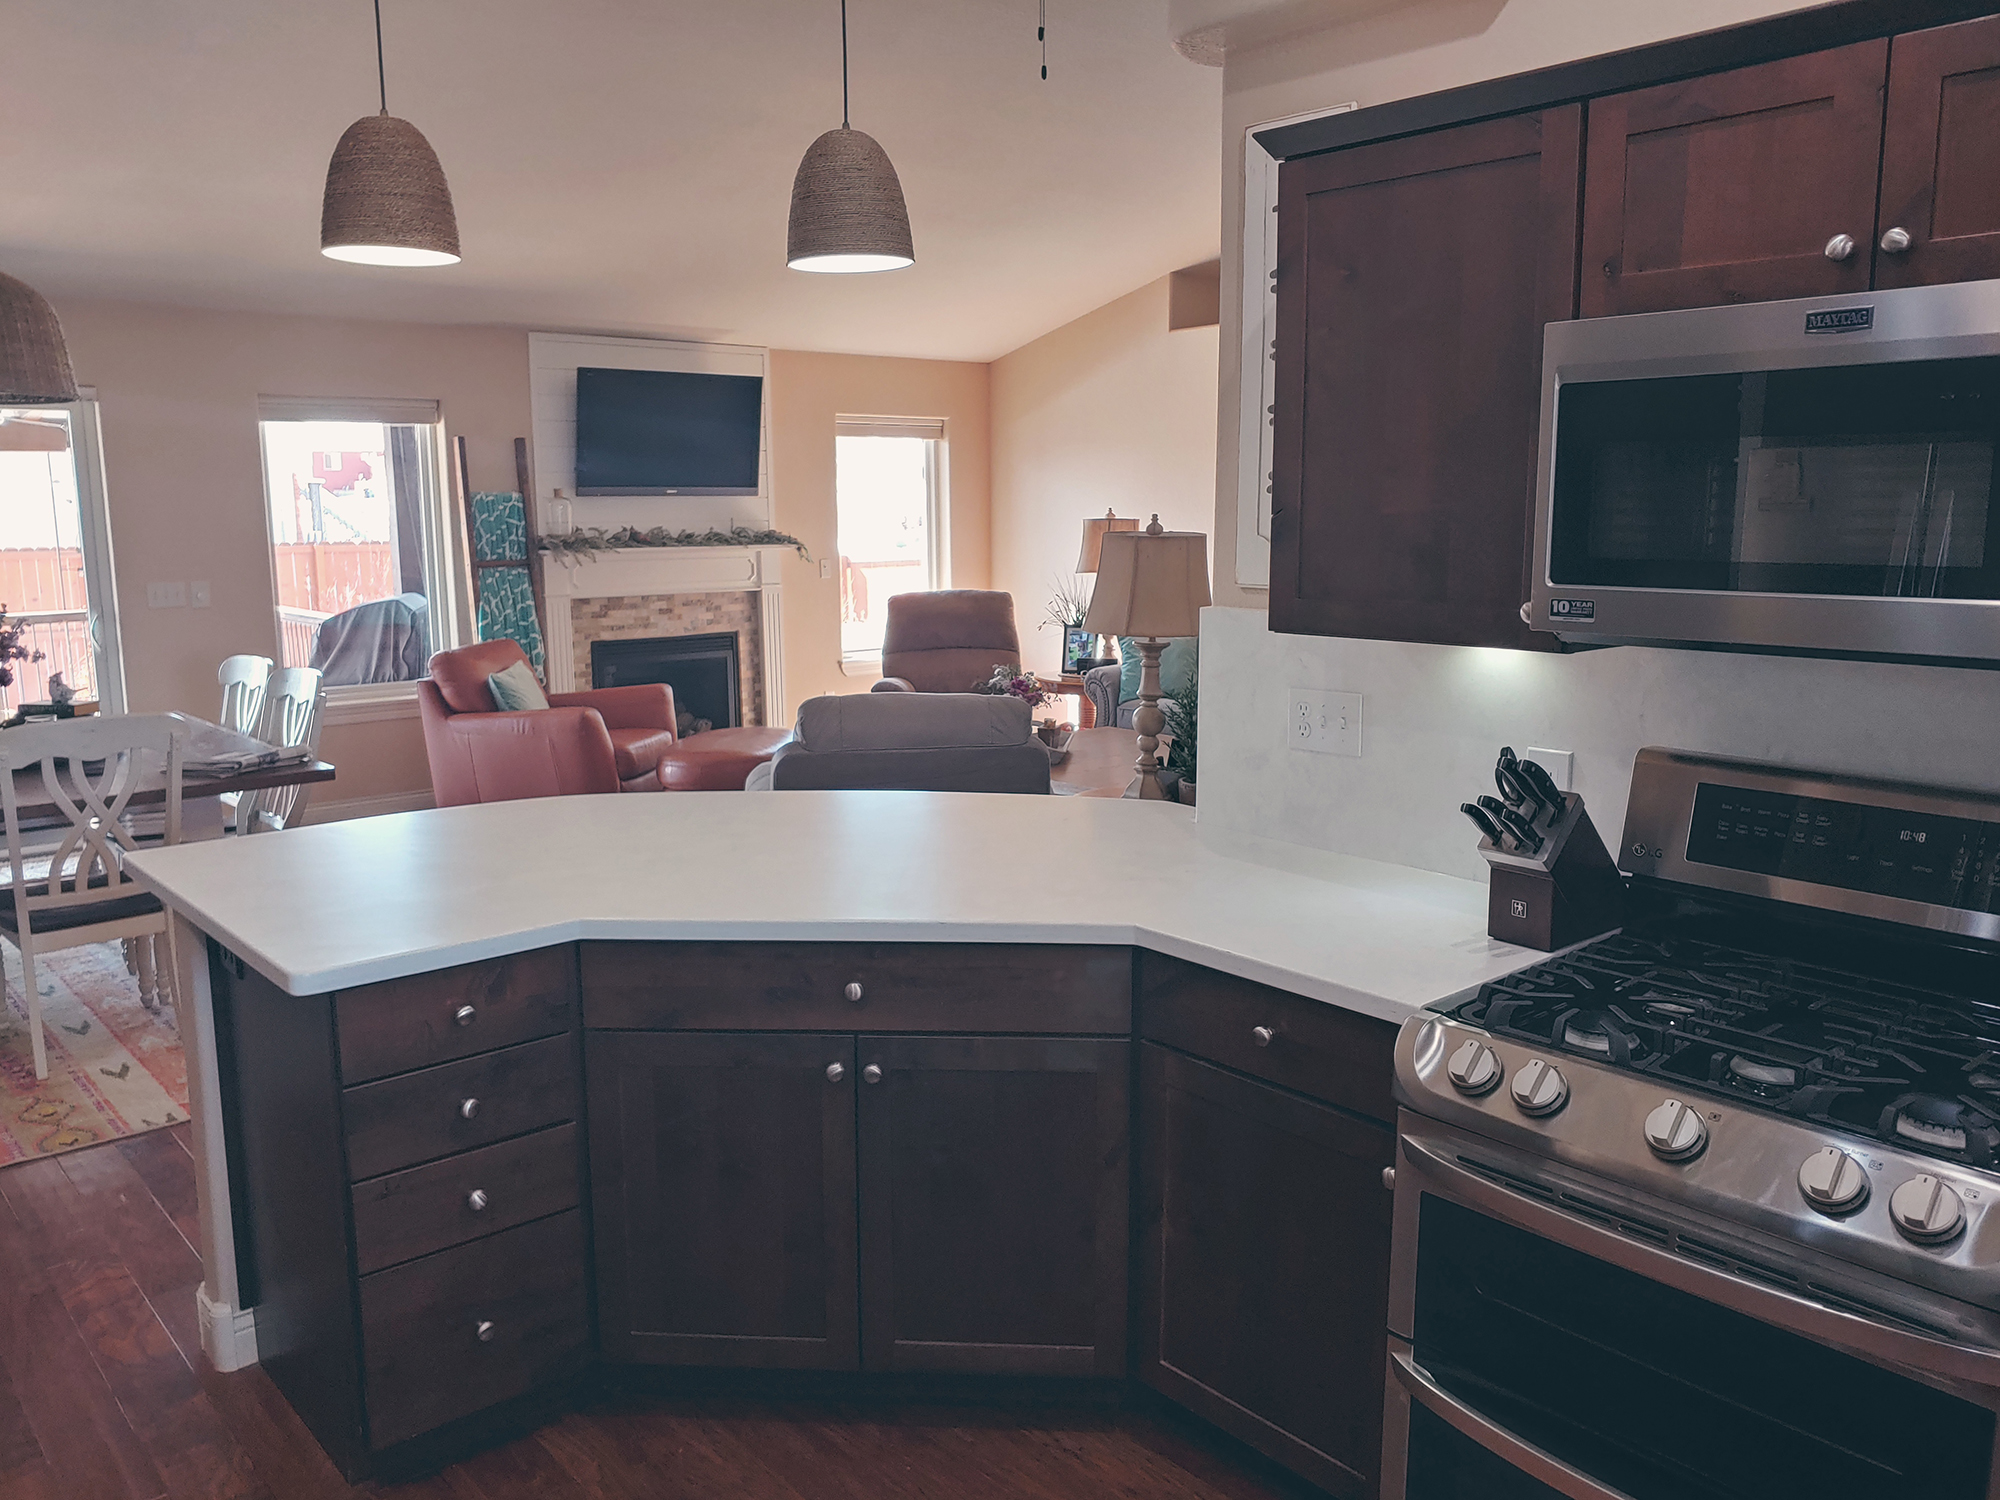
x,y
670,570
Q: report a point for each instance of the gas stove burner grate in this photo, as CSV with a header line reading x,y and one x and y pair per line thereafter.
x,y
1908,1066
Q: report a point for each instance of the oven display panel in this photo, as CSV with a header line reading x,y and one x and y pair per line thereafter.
x,y
1913,856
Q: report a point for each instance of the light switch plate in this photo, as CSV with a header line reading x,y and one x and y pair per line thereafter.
x,y
826,567
166,596
1324,723
1560,764
198,594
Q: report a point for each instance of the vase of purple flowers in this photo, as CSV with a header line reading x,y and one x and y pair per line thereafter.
x,y
1015,682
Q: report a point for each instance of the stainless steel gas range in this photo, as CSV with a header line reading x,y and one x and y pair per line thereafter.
x,y
1710,1207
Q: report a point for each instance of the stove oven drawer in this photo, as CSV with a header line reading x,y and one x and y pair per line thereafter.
x,y
1572,1347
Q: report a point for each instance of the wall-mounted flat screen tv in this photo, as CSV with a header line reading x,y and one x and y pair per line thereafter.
x,y
667,432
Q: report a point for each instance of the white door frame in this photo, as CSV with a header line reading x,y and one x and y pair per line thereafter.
x,y
100,580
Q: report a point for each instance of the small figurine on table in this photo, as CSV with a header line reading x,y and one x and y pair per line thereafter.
x,y
60,693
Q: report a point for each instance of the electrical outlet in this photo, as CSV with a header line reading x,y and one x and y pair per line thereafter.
x,y
1560,764
198,594
166,595
1324,723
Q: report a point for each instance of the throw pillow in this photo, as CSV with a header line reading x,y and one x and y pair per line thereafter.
x,y
1176,665
516,688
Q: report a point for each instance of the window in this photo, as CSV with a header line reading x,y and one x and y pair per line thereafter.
x,y
55,554
890,517
361,539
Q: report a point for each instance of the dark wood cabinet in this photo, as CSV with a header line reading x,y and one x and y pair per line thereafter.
x,y
994,1203
723,1175
1414,280
1264,1265
1730,187
1941,156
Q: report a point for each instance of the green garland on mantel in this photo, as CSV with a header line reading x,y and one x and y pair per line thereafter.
x,y
591,540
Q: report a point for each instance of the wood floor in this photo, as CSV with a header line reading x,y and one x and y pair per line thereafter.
x,y
104,1395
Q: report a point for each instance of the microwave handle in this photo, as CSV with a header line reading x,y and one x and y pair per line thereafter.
x,y
1517,1452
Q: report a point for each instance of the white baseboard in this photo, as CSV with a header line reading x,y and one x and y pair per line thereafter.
x,y
228,1334
368,807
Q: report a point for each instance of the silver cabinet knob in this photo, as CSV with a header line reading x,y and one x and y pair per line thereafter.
x,y
485,1330
476,1200
1475,1068
871,1074
1675,1132
1841,247
853,992
1927,1210
1896,241
835,1072
465,1015
1389,1178
1263,1035
467,1108
1832,1181
1539,1088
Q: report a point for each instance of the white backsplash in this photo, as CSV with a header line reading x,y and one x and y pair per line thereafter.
x,y
1433,718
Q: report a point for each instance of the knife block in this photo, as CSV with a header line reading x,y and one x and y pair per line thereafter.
x,y
1569,892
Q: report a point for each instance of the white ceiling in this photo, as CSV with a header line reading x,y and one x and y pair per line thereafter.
x,y
618,165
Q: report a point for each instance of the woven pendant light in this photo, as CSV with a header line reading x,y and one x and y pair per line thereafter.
x,y
848,212
34,362
387,203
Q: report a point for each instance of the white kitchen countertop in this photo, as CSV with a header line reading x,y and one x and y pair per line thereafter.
x,y
341,904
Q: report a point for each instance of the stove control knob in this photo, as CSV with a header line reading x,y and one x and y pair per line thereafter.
x,y
1675,1131
1539,1088
1833,1181
1475,1068
1927,1210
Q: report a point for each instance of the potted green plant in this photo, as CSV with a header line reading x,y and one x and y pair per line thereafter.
x,y
1183,713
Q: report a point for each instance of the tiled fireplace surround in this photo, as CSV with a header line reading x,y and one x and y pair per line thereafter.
x,y
642,593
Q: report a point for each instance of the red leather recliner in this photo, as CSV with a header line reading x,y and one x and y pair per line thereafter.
x,y
606,740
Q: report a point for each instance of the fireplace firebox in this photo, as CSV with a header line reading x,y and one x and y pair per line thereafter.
x,y
701,669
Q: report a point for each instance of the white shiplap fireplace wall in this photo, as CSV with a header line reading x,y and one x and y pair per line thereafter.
x,y
553,360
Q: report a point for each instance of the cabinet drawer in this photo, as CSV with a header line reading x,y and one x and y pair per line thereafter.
x,y
1318,1049
984,987
414,1212
420,1116
431,1018
421,1324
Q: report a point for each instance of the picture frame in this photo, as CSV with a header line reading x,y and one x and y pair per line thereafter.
x,y
1079,649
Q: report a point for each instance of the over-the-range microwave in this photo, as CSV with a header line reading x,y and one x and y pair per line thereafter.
x,y
1814,476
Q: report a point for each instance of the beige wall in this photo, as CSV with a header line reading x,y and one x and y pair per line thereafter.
x,y
1110,410
1417,49
177,392
808,392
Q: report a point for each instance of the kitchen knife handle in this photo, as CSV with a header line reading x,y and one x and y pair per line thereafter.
x,y
1541,783
1484,823
1523,830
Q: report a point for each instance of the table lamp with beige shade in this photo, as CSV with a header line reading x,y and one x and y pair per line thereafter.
x,y
1094,531
1152,585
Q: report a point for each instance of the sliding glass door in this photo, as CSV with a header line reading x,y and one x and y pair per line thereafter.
x,y
55,555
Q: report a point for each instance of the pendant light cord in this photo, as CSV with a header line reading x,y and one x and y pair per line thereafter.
x,y
381,73
1041,35
843,61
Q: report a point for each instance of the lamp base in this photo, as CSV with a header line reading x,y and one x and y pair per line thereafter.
x,y
1149,721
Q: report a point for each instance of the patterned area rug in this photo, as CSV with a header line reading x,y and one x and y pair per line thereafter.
x,y
115,1069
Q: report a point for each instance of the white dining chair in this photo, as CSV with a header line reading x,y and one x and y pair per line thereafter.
x,y
243,680
294,704
89,769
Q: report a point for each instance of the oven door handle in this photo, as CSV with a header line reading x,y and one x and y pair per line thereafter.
x,y
1517,1452
1925,1357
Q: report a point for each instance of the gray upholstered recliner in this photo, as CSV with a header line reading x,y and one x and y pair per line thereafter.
x,y
924,742
1100,684
947,640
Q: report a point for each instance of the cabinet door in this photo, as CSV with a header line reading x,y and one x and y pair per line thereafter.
x,y
722,1186
1731,187
1941,156
1414,279
994,1200
1264,1265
